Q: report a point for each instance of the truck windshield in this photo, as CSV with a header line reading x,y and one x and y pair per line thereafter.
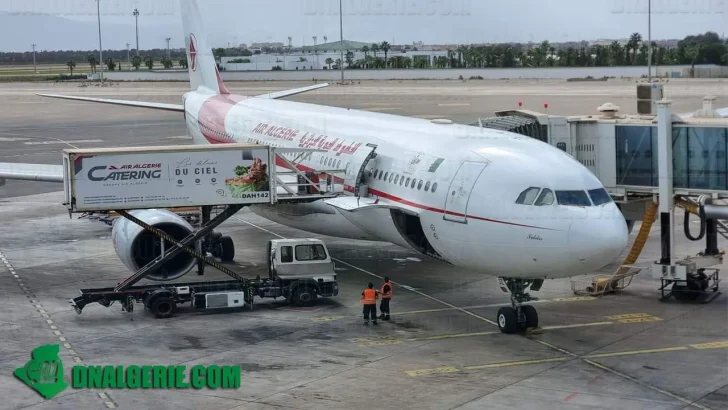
x,y
314,252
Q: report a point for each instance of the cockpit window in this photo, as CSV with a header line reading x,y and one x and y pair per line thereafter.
x,y
528,196
572,198
546,197
600,196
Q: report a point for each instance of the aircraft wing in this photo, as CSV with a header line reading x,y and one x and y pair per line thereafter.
x,y
30,172
286,93
142,104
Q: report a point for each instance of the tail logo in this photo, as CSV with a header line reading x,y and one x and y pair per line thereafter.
x,y
193,52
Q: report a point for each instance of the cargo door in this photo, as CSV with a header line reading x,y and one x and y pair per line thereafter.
x,y
355,167
458,196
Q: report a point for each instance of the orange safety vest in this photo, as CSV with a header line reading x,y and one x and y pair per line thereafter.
x,y
370,297
389,294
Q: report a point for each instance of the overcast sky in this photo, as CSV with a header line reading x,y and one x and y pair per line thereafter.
x,y
397,21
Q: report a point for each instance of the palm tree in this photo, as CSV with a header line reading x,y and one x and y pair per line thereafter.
x,y
92,62
365,49
183,62
149,62
329,61
71,65
375,48
692,51
385,47
349,56
634,43
615,53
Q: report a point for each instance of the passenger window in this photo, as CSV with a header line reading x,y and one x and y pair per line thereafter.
x,y
572,198
419,185
310,252
407,183
286,254
414,181
396,179
427,186
546,197
386,174
376,172
528,196
434,187
391,176
600,196
338,164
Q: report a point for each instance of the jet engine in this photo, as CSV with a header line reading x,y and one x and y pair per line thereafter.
x,y
137,247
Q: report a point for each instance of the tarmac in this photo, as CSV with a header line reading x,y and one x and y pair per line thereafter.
x,y
441,350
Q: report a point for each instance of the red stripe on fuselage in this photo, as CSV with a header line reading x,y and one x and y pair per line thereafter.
x,y
211,118
212,124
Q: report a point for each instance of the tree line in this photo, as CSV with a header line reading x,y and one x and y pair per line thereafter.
x,y
706,48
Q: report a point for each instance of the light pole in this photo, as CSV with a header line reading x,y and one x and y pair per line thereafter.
x,y
128,60
35,67
136,18
649,40
101,50
341,32
315,52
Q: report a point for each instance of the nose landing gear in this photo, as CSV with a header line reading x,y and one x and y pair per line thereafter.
x,y
519,317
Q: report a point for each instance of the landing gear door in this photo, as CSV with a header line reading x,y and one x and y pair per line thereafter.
x,y
356,164
456,206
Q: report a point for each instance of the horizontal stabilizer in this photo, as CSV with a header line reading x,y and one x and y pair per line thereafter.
x,y
142,104
286,93
31,172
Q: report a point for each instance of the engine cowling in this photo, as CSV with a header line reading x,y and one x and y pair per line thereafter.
x,y
137,247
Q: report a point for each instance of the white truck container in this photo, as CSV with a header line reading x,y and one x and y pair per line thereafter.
x,y
168,176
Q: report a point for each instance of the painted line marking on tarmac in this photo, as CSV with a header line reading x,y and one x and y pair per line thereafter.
x,y
540,301
711,345
566,352
518,363
110,403
60,142
635,352
376,341
496,332
437,370
634,318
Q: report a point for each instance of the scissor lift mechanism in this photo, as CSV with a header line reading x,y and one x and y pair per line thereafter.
x,y
163,298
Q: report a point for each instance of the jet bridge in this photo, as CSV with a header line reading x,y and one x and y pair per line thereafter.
x,y
624,152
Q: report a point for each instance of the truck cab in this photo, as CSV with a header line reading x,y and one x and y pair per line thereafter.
x,y
306,267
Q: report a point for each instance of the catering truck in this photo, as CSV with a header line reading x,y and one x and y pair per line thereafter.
x,y
141,184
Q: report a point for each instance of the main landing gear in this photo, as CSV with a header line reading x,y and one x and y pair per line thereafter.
x,y
519,317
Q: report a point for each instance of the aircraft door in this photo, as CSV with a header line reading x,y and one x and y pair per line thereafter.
x,y
456,205
357,164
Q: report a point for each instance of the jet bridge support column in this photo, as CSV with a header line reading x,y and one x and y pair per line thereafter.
x,y
665,177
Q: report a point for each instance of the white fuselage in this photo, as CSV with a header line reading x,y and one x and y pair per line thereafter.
x,y
471,219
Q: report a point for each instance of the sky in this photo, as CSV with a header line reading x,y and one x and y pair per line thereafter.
x,y
72,24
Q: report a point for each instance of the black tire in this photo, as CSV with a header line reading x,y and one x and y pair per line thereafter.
x,y
227,249
304,296
508,320
163,307
531,316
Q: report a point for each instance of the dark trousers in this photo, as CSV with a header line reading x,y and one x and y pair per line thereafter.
x,y
370,312
384,307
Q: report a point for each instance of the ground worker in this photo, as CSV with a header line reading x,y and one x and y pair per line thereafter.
x,y
386,293
369,300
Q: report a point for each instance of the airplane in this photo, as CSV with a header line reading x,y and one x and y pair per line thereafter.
x,y
497,203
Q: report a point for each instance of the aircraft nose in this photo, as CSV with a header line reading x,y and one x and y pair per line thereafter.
x,y
598,237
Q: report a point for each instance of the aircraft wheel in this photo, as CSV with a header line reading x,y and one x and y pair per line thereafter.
x,y
227,249
531,316
508,320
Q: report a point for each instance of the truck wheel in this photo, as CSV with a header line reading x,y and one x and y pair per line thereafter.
x,y
304,296
163,307
227,249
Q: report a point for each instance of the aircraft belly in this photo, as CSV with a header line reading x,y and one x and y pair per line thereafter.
x,y
315,217
377,222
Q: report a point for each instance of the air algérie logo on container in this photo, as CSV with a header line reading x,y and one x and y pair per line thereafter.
x,y
44,374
